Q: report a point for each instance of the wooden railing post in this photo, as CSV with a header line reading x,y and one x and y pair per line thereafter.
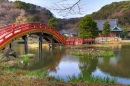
x,y
4,30
34,26
13,28
28,26
20,28
40,25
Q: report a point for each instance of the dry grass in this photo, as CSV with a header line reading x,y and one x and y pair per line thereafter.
x,y
10,79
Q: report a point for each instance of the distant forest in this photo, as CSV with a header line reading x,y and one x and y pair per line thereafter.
x,y
20,12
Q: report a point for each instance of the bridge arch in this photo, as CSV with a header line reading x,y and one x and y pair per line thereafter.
x,y
10,32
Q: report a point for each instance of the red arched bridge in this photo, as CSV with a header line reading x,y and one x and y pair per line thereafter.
x,y
10,32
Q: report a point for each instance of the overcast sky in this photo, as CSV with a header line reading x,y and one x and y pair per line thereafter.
x,y
88,6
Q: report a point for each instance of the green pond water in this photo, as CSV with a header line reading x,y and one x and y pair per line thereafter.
x,y
60,63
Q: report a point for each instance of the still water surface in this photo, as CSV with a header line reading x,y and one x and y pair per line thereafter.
x,y
61,64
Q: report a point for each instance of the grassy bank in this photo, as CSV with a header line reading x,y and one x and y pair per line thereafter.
x,y
17,77
10,75
14,77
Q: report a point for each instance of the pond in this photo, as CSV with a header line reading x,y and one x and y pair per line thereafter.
x,y
61,64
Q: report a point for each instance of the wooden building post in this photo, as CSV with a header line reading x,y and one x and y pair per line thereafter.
x,y
10,46
40,42
25,44
52,41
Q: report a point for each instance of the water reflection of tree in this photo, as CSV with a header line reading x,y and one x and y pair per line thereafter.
x,y
118,65
87,65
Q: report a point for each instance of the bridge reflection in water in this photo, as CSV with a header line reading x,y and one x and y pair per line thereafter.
x,y
48,59
62,66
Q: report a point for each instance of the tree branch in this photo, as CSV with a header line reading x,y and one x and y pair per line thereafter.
x,y
65,9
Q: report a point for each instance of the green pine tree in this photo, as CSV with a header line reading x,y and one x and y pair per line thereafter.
x,y
106,29
53,22
88,28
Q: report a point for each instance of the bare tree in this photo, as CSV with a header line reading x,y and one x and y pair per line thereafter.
x,y
65,7
8,13
21,18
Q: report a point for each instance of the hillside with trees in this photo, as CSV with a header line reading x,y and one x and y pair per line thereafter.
x,y
7,13
21,12
115,10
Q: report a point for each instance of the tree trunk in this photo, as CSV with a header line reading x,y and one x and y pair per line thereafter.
x,y
106,37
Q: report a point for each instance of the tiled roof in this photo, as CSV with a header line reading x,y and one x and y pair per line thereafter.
x,y
112,22
63,32
68,31
116,28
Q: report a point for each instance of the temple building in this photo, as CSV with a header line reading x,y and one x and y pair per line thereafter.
x,y
114,28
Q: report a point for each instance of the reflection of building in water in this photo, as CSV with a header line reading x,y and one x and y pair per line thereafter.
x,y
114,60
119,65
100,60
116,46
70,58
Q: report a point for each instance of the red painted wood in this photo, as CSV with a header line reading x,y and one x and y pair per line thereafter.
x,y
8,31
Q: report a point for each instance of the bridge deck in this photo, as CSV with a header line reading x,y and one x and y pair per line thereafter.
x,y
12,31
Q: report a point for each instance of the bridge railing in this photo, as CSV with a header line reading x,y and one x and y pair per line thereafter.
x,y
9,30
54,32
5,32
